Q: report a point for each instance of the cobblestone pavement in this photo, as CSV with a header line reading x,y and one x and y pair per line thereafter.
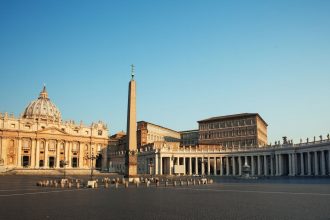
x,y
21,199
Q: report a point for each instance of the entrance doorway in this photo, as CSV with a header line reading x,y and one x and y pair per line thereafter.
x,y
99,161
51,162
26,161
74,162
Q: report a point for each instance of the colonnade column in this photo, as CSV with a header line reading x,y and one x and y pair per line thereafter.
x,y
190,166
171,165
302,164
234,166
215,166
259,164
208,166
328,162
227,166
37,154
276,165
240,166
196,165
290,164
265,166
156,165
203,166
322,163
294,164
271,165
160,172
316,164
280,169
309,164
19,153
252,166
184,165
221,167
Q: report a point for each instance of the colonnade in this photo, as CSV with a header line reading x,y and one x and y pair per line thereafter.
x,y
308,162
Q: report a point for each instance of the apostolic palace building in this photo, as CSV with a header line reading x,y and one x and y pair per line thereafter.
x,y
39,139
221,146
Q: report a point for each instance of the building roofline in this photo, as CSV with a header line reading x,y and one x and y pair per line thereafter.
x,y
194,130
158,126
233,116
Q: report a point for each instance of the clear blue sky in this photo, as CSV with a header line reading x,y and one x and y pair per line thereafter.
x,y
194,60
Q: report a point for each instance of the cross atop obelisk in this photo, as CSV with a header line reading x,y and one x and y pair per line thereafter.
x,y
131,149
132,71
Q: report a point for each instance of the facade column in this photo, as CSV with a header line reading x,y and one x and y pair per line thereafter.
x,y
227,166
259,165
215,166
265,166
234,166
302,164
46,164
196,166
81,155
68,145
322,163
290,164
208,166
252,166
37,154
156,165
57,165
221,167
309,164
316,164
239,165
2,150
33,153
19,153
160,165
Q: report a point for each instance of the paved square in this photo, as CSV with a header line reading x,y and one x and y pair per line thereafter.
x,y
21,199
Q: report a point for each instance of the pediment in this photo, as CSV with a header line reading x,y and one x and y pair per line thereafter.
x,y
53,131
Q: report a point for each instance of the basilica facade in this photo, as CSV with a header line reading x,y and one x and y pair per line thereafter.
x,y
39,139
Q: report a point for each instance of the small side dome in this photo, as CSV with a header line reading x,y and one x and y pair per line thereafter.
x,y
42,108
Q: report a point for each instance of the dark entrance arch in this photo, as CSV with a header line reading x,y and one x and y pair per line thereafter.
x,y
26,161
51,162
75,162
98,162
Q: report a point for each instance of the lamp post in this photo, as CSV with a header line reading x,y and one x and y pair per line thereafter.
x,y
91,158
64,164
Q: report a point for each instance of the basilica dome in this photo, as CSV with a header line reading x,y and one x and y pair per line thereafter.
x,y
42,109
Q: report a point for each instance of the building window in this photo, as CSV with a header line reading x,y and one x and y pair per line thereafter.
x,y
100,133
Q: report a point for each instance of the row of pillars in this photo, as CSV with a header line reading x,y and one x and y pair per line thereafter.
x,y
288,164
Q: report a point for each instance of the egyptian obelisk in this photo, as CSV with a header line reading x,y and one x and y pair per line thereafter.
x,y
131,151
